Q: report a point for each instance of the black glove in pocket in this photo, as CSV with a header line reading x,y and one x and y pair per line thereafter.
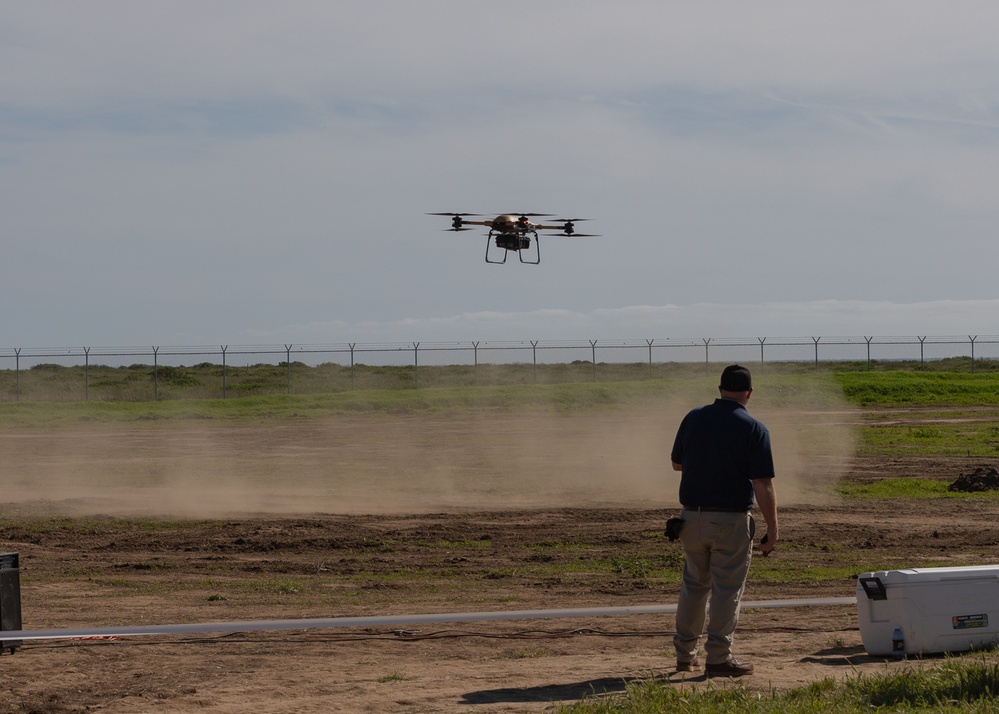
x,y
673,528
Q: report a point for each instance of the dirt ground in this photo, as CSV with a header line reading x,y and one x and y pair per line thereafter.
x,y
369,516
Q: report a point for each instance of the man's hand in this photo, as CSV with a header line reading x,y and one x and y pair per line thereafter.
x,y
768,541
766,499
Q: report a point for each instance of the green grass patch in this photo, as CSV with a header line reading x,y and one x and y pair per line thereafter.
x,y
686,383
914,488
456,544
444,400
958,436
954,683
276,586
964,685
558,546
895,382
775,570
908,388
668,565
24,519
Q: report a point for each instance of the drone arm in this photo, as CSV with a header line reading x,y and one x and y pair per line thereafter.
x,y
566,227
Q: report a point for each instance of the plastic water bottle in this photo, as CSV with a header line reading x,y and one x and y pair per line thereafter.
x,y
897,645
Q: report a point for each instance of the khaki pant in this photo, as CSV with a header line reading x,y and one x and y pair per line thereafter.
x,y
718,549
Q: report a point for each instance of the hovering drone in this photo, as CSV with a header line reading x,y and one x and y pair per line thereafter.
x,y
513,231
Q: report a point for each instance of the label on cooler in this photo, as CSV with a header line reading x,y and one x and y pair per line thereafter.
x,y
967,622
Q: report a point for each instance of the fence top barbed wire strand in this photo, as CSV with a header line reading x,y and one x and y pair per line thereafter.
x,y
354,347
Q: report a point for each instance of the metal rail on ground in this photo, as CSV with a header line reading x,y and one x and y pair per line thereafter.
x,y
390,620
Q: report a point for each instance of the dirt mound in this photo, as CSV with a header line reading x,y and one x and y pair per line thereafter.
x,y
983,478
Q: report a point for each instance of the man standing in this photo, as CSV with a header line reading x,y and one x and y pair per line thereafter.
x,y
724,458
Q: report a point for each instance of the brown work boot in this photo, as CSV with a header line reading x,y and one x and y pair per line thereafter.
x,y
729,668
688,666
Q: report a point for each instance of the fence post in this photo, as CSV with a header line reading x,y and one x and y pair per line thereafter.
x,y
534,354
352,365
921,341
223,348
17,374
816,341
593,358
416,364
287,351
86,373
868,351
972,352
156,373
649,343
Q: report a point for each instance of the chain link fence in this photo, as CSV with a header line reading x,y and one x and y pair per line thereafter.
x,y
143,373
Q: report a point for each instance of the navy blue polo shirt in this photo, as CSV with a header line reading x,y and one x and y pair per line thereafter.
x,y
722,449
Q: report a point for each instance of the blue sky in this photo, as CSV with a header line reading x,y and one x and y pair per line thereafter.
x,y
258,172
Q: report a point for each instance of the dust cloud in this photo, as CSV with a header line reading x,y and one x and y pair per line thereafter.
x,y
376,463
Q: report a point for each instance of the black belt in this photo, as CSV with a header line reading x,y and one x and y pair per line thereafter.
x,y
715,509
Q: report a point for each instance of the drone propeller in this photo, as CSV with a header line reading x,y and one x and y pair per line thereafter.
x,y
456,222
568,227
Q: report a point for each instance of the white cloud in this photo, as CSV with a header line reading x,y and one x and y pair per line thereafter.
x,y
828,318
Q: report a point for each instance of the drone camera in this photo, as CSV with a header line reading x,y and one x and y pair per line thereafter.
x,y
512,241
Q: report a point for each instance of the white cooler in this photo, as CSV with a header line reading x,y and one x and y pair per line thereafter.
x,y
936,609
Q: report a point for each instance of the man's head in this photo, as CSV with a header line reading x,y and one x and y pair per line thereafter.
x,y
736,382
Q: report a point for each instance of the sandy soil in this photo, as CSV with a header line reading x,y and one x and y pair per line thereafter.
x,y
389,515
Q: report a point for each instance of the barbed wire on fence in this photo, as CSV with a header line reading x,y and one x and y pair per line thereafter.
x,y
762,344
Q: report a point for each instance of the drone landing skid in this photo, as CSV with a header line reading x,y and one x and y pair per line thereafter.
x,y
495,262
519,244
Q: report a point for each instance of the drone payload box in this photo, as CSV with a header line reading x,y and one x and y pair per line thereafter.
x,y
935,609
